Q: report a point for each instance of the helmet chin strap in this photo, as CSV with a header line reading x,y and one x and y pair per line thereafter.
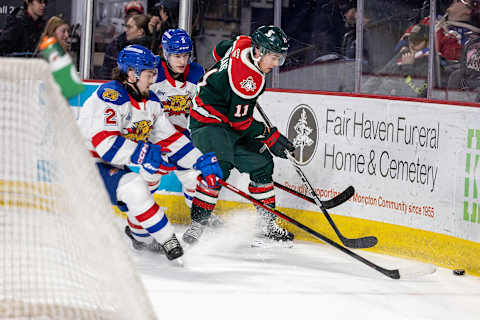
x,y
134,91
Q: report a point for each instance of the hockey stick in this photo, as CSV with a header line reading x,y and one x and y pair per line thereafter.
x,y
394,274
358,243
327,204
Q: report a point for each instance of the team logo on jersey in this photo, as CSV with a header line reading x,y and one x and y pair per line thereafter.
x,y
303,133
248,84
176,105
111,94
140,131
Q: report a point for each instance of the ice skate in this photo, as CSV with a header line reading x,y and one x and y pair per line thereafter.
x,y
270,235
268,228
275,232
153,246
172,248
215,221
193,232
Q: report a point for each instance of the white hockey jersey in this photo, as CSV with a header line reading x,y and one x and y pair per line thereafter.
x,y
113,122
177,96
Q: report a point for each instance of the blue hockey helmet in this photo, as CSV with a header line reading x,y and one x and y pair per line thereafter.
x,y
176,41
136,57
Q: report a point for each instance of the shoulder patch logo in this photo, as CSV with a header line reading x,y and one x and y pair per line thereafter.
x,y
111,94
248,84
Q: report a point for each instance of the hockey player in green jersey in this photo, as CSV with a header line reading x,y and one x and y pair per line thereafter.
x,y
221,121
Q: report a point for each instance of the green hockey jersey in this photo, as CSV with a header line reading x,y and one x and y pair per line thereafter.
x,y
228,93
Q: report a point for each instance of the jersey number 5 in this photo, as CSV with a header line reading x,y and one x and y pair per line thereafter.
x,y
110,116
241,111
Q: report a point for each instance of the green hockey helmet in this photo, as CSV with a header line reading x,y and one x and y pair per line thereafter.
x,y
270,39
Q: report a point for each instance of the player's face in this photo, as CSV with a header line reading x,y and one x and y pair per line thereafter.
x,y
146,79
269,61
178,61
62,35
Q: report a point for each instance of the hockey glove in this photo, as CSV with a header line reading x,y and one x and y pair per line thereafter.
x,y
208,166
149,156
277,143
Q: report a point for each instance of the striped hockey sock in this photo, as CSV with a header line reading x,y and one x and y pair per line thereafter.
x,y
139,233
204,202
155,222
263,192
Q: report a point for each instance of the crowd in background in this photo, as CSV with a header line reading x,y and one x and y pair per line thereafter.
x,y
27,25
395,37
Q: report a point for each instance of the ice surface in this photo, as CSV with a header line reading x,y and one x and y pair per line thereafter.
x,y
223,277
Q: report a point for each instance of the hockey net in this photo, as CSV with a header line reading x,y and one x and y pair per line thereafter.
x,y
62,256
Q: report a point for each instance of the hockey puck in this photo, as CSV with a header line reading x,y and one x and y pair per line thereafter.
x,y
459,272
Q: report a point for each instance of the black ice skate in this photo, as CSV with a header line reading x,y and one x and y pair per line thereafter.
x,y
153,246
194,231
275,232
268,228
172,248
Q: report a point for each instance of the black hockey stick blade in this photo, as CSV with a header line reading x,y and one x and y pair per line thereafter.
x,y
394,274
327,204
339,198
358,243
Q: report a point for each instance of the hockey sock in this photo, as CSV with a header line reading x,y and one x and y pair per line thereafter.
x,y
263,192
139,233
155,222
204,202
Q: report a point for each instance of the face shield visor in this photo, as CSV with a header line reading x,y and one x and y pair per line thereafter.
x,y
280,56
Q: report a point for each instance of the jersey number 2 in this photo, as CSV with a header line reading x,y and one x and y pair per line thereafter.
x,y
241,111
110,118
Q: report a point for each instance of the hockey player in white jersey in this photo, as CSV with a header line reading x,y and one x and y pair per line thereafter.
x,y
176,87
125,126
177,77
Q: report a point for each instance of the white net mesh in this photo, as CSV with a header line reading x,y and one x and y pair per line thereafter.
x,y
61,255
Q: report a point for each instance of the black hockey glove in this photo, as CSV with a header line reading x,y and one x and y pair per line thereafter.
x,y
277,143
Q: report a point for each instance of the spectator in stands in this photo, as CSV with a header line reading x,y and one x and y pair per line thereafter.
x,y
405,74
350,37
349,42
454,29
467,77
23,29
132,9
136,29
58,28
164,17
459,24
